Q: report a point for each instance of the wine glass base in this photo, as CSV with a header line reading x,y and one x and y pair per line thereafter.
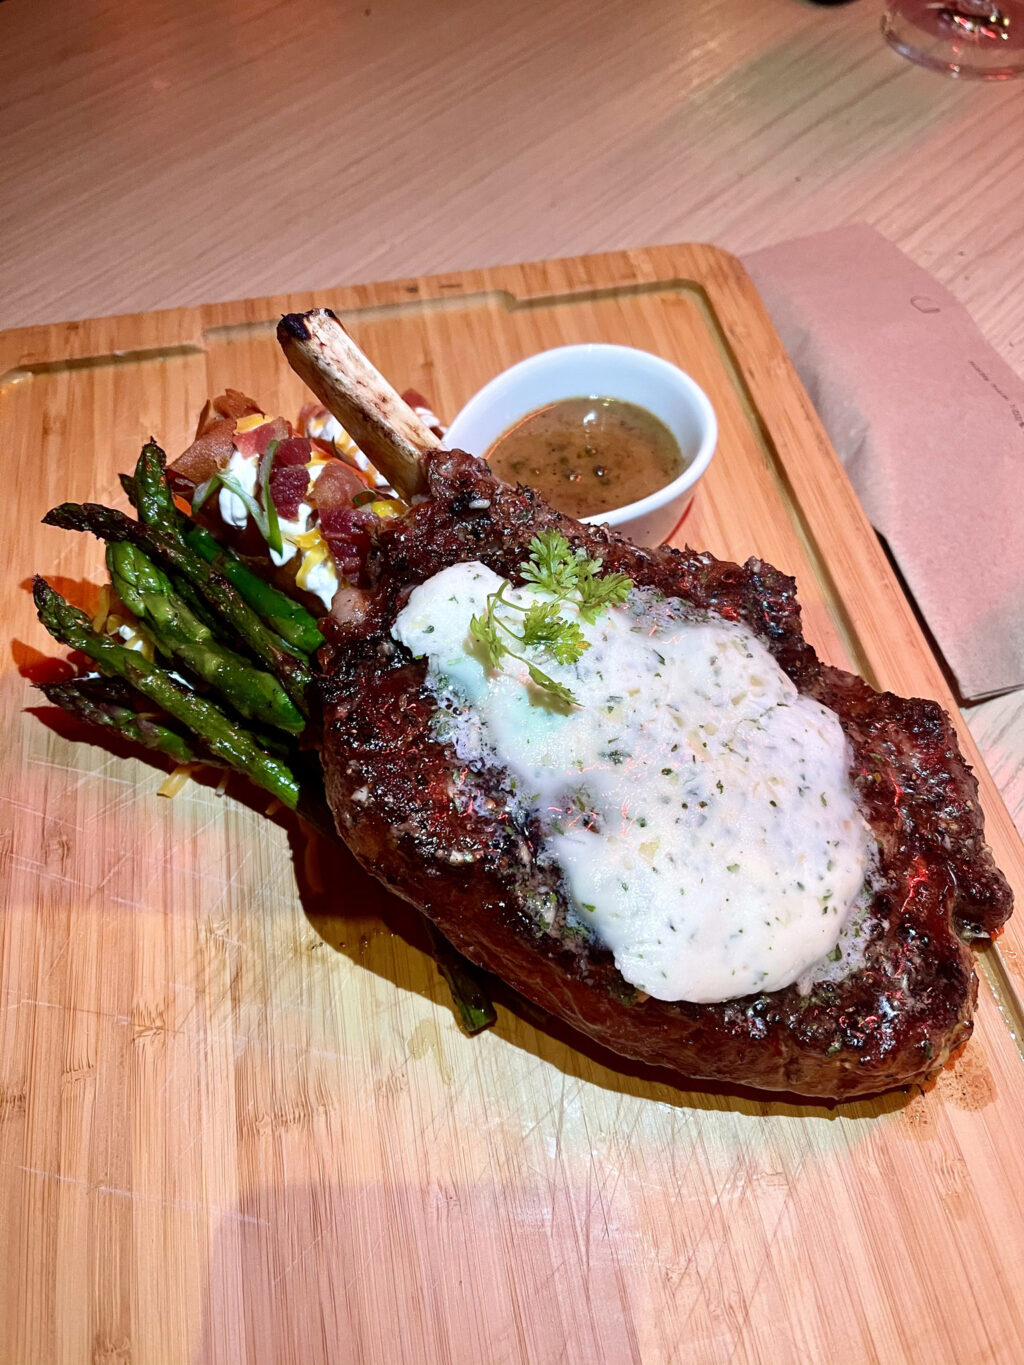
x,y
967,40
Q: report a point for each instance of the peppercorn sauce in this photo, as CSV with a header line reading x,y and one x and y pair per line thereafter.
x,y
588,455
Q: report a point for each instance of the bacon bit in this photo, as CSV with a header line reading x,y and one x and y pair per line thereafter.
x,y
207,453
235,404
288,486
294,450
345,528
255,441
230,405
173,784
347,532
337,486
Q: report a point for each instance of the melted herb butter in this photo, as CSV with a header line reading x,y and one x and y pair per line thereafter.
x,y
698,806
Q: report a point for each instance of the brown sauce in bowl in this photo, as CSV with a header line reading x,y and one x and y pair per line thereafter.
x,y
588,455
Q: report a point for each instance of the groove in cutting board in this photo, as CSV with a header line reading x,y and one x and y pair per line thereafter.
x,y
992,969
459,303
95,362
860,660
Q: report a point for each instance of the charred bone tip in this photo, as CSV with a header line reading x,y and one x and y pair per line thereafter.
x,y
292,327
295,326
391,435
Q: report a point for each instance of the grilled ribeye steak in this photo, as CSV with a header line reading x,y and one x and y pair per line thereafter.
x,y
446,837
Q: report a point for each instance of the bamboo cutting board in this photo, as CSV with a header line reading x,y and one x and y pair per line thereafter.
x,y
238,1121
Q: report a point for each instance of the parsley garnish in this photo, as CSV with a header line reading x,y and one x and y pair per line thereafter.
x,y
572,578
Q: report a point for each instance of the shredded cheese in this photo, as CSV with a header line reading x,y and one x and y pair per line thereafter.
x,y
250,423
173,783
309,540
344,445
102,608
134,639
317,555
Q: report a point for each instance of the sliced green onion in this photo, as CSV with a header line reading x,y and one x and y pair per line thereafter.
x,y
267,521
202,493
367,495
272,534
229,482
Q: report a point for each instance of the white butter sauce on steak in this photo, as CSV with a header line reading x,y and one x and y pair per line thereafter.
x,y
698,808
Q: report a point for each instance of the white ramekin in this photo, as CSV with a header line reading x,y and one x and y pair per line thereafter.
x,y
602,371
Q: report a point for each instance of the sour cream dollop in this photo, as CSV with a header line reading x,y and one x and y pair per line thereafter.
x,y
698,807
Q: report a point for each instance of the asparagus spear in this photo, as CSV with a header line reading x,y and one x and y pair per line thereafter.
x,y
110,703
224,738
469,994
151,495
176,630
177,558
90,704
196,601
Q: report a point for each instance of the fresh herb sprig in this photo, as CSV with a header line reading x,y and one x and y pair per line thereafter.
x,y
571,575
572,578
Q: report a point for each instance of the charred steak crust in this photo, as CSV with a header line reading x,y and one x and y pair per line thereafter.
x,y
443,836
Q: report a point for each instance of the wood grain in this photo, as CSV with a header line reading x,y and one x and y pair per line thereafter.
x,y
237,1119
